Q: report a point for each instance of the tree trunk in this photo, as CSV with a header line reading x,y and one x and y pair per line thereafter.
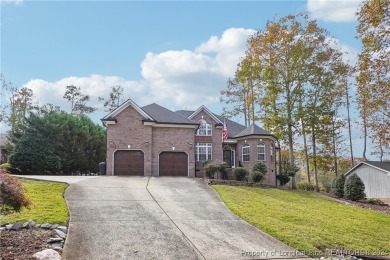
x,y
349,124
313,139
305,150
364,137
334,147
290,137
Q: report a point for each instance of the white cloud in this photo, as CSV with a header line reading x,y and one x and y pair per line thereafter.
x,y
15,2
333,10
186,79
94,85
350,54
182,79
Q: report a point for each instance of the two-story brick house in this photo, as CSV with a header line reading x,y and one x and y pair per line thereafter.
x,y
155,141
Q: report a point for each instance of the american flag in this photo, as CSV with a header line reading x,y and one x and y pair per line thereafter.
x,y
224,131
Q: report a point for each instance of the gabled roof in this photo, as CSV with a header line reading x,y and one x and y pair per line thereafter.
x,y
163,115
129,102
233,128
205,109
253,129
383,166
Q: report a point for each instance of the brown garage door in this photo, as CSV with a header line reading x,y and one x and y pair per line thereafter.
x,y
173,164
129,163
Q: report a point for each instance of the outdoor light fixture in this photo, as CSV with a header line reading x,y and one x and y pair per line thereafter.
x,y
173,148
190,144
111,143
146,143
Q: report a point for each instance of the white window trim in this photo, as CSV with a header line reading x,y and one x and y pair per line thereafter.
x,y
272,153
258,146
233,159
208,128
249,152
204,145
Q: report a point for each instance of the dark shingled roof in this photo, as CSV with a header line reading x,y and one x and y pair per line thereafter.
x,y
163,115
232,127
253,129
382,165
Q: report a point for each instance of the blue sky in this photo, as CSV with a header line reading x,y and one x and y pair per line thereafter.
x,y
177,54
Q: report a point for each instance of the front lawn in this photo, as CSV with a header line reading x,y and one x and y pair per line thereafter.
x,y
308,221
47,203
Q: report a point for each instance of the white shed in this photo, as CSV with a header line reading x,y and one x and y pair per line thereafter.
x,y
376,178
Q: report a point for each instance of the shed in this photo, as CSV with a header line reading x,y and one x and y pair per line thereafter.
x,y
375,176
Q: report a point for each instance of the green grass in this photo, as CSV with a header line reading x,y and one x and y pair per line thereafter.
x,y
307,221
47,203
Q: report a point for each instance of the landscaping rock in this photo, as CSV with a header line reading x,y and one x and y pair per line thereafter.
x,y
4,224
25,225
54,226
2,228
58,233
46,226
37,226
58,249
63,229
16,226
8,227
31,223
57,245
47,254
54,240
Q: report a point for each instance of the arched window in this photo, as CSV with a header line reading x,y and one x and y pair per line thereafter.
x,y
261,152
246,153
204,128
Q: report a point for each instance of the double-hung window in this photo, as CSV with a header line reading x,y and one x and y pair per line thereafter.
x,y
261,152
204,128
203,152
246,153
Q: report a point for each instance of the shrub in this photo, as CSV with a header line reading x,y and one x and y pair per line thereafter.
x,y
376,202
212,168
257,176
338,186
325,182
283,179
258,172
303,185
240,173
260,167
354,188
11,192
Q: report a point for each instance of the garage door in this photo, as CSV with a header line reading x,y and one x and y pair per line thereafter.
x,y
173,164
129,163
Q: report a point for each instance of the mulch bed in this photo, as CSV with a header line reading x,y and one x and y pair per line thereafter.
x,y
22,244
380,208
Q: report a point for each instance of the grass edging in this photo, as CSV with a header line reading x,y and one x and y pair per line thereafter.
x,y
48,203
308,222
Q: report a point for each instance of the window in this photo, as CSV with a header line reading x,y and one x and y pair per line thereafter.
x,y
261,152
204,128
246,153
203,152
272,152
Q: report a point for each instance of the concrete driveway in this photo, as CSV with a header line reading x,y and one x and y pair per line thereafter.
x,y
158,218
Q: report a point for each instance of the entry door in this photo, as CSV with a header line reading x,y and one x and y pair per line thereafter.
x,y
227,157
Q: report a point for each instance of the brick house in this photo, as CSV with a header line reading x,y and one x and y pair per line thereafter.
x,y
155,141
